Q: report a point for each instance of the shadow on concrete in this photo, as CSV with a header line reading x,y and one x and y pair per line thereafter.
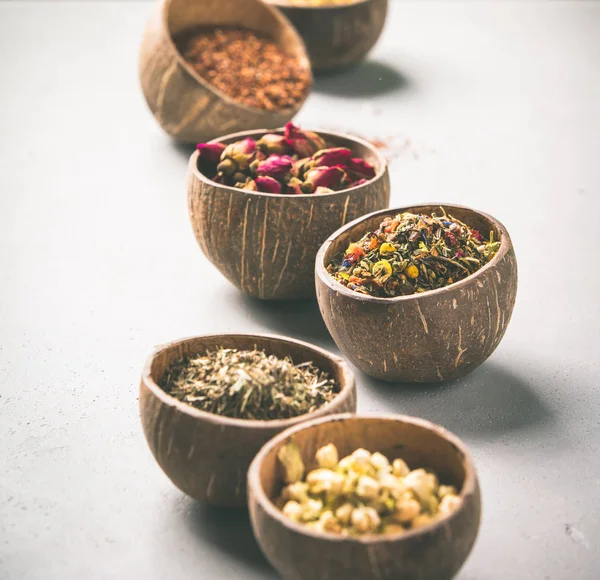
x,y
366,79
489,402
301,319
229,531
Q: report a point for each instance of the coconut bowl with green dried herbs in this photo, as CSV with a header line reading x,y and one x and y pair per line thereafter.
x,y
208,404
418,294
357,497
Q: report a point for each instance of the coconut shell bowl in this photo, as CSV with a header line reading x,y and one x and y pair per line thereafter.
x,y
337,35
185,105
206,455
428,337
266,243
435,551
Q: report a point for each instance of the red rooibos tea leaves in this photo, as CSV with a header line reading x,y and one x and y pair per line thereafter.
x,y
246,66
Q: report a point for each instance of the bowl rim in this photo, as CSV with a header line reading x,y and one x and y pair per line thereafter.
x,y
382,170
256,491
327,279
284,22
286,5
347,386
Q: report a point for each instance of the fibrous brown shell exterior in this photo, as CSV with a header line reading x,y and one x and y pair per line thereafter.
x,y
186,107
337,36
266,244
430,337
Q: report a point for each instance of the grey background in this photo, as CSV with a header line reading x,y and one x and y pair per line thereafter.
x,y
493,105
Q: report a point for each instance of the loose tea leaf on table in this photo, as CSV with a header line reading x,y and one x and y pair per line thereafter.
x,y
411,253
248,384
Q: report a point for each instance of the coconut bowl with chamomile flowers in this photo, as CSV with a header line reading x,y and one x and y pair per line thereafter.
x,y
418,294
262,202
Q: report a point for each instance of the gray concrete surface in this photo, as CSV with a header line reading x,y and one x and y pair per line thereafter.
x,y
493,105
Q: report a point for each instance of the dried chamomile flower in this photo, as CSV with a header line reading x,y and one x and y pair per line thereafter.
x,y
296,491
407,510
344,513
324,480
327,456
362,493
399,468
367,487
293,510
421,483
290,458
449,503
311,510
380,462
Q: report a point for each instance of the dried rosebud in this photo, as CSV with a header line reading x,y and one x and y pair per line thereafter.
x,y
331,157
301,167
242,153
276,166
303,143
359,182
330,177
267,184
210,152
271,143
294,185
249,185
360,168
227,167
477,235
239,177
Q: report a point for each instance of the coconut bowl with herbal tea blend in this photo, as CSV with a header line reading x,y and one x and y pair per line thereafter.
x,y
261,203
210,67
337,33
374,496
418,294
209,403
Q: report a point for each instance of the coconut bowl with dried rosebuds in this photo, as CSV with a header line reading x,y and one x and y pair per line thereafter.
x,y
262,202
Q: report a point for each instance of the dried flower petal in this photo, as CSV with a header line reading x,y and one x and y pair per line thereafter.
x,y
293,466
330,177
331,157
210,152
294,186
242,153
267,184
271,143
360,168
276,166
303,143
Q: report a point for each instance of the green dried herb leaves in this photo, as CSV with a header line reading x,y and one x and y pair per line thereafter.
x,y
248,384
412,253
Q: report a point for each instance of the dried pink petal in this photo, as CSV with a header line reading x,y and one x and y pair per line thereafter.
x,y
303,143
267,184
331,177
361,168
276,166
294,185
271,143
331,157
240,152
210,152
